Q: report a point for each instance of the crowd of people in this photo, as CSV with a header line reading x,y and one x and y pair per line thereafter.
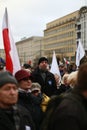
x,y
24,97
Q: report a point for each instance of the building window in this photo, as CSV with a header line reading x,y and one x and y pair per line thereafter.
x,y
79,27
78,35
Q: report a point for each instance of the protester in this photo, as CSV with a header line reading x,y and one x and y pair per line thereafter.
x,y
61,69
12,115
27,67
26,98
65,85
38,96
64,79
24,92
44,77
71,114
71,68
62,85
24,80
36,90
72,78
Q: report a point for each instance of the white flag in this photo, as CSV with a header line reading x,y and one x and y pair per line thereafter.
x,y
79,53
12,60
54,66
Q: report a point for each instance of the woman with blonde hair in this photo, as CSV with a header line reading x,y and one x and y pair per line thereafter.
x,y
72,79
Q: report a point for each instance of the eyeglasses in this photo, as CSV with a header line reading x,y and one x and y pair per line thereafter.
x,y
26,79
35,91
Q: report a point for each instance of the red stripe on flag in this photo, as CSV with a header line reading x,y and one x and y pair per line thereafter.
x,y
7,47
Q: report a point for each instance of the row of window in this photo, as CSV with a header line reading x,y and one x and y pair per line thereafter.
x,y
60,29
62,51
61,36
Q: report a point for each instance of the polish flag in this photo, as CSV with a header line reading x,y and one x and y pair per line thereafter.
x,y
12,60
66,61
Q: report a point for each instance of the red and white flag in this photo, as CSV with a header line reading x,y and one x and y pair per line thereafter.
x,y
12,60
66,61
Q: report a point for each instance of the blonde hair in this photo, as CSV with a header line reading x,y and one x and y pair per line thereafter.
x,y
72,79
65,77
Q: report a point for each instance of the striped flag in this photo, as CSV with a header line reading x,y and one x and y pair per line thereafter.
x,y
66,61
12,60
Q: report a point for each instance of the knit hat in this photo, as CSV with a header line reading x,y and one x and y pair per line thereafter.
x,y
42,59
7,77
26,66
35,86
21,74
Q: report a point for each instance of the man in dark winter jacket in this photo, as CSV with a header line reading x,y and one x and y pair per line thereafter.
x,y
12,116
71,113
44,77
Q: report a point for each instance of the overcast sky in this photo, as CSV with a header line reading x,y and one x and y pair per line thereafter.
x,y
29,17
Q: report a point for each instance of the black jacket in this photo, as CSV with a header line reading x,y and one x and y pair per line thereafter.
x,y
49,85
32,104
7,120
62,88
71,114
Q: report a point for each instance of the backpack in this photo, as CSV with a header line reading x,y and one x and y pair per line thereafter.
x,y
51,108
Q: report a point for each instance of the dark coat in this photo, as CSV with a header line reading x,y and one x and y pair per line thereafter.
x,y
32,104
71,114
7,120
49,85
62,88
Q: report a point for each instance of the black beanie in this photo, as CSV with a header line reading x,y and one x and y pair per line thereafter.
x,y
42,59
7,77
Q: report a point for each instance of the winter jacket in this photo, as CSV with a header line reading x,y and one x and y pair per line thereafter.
x,y
7,119
71,114
48,86
32,104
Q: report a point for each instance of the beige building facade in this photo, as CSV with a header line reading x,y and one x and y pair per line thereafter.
x,y
60,36
2,53
30,48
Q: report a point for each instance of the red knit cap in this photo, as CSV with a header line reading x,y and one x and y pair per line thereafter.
x,y
21,74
